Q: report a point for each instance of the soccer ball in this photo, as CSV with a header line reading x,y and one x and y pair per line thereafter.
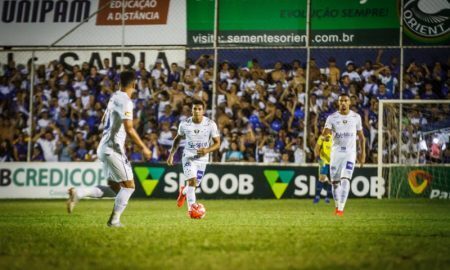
x,y
198,211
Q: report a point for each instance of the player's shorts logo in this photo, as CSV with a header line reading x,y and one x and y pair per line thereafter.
x,y
415,175
200,175
349,165
427,18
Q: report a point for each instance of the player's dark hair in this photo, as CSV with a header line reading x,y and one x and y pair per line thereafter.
x,y
127,77
198,102
344,95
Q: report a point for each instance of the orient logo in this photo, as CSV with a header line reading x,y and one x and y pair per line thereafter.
x,y
427,18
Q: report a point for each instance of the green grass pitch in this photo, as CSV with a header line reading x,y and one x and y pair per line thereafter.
x,y
235,234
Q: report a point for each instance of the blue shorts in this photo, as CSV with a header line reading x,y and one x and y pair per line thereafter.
x,y
324,168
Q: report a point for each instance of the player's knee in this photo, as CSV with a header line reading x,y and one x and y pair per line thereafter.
x,y
323,178
192,182
128,184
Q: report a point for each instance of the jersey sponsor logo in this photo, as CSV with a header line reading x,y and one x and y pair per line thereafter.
x,y
340,135
194,145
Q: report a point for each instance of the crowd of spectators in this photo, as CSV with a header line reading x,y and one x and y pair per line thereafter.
x,y
260,111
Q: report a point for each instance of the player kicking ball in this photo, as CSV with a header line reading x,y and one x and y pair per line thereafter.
x,y
118,123
344,125
198,130
322,152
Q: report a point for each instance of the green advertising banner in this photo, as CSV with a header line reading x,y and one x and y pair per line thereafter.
x,y
426,22
247,182
412,182
283,22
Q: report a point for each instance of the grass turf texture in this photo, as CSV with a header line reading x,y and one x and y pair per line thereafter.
x,y
235,234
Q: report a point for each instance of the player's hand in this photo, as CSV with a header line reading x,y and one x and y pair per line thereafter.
x,y
202,151
170,160
147,153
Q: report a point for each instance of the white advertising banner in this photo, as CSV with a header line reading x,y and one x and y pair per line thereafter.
x,y
76,57
43,22
47,179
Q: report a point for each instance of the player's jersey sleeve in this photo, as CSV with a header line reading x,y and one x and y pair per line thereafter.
x,y
127,111
328,123
181,131
358,122
214,130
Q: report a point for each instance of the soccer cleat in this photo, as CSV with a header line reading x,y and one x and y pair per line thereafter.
x,y
72,201
316,200
339,213
181,197
327,200
115,225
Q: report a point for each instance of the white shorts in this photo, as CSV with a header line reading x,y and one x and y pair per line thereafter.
x,y
194,168
342,166
116,166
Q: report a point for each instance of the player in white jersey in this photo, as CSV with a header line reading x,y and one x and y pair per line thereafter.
x,y
344,126
118,123
198,131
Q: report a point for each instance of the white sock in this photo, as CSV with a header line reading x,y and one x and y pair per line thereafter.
x,y
121,203
185,190
190,194
92,192
335,190
345,189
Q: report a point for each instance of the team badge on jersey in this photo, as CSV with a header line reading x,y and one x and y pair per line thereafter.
x,y
196,131
344,121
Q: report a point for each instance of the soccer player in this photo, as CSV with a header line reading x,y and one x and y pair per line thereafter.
x,y
118,123
198,131
322,152
344,125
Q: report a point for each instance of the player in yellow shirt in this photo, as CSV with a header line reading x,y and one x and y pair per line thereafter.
x,y
322,153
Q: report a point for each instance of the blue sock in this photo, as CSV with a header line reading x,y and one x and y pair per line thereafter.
x,y
319,186
328,189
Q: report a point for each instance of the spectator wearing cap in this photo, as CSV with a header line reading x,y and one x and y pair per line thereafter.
x,y
351,72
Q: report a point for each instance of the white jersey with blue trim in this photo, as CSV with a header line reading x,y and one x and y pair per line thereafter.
x,y
344,129
120,107
198,135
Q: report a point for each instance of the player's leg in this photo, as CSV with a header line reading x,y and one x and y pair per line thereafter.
x,y
320,182
75,194
122,173
346,175
326,183
189,173
335,172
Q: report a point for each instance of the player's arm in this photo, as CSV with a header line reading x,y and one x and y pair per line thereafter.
x,y
318,147
214,147
362,147
131,132
173,150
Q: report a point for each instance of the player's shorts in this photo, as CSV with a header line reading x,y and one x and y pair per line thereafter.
x,y
324,168
116,166
342,166
194,168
